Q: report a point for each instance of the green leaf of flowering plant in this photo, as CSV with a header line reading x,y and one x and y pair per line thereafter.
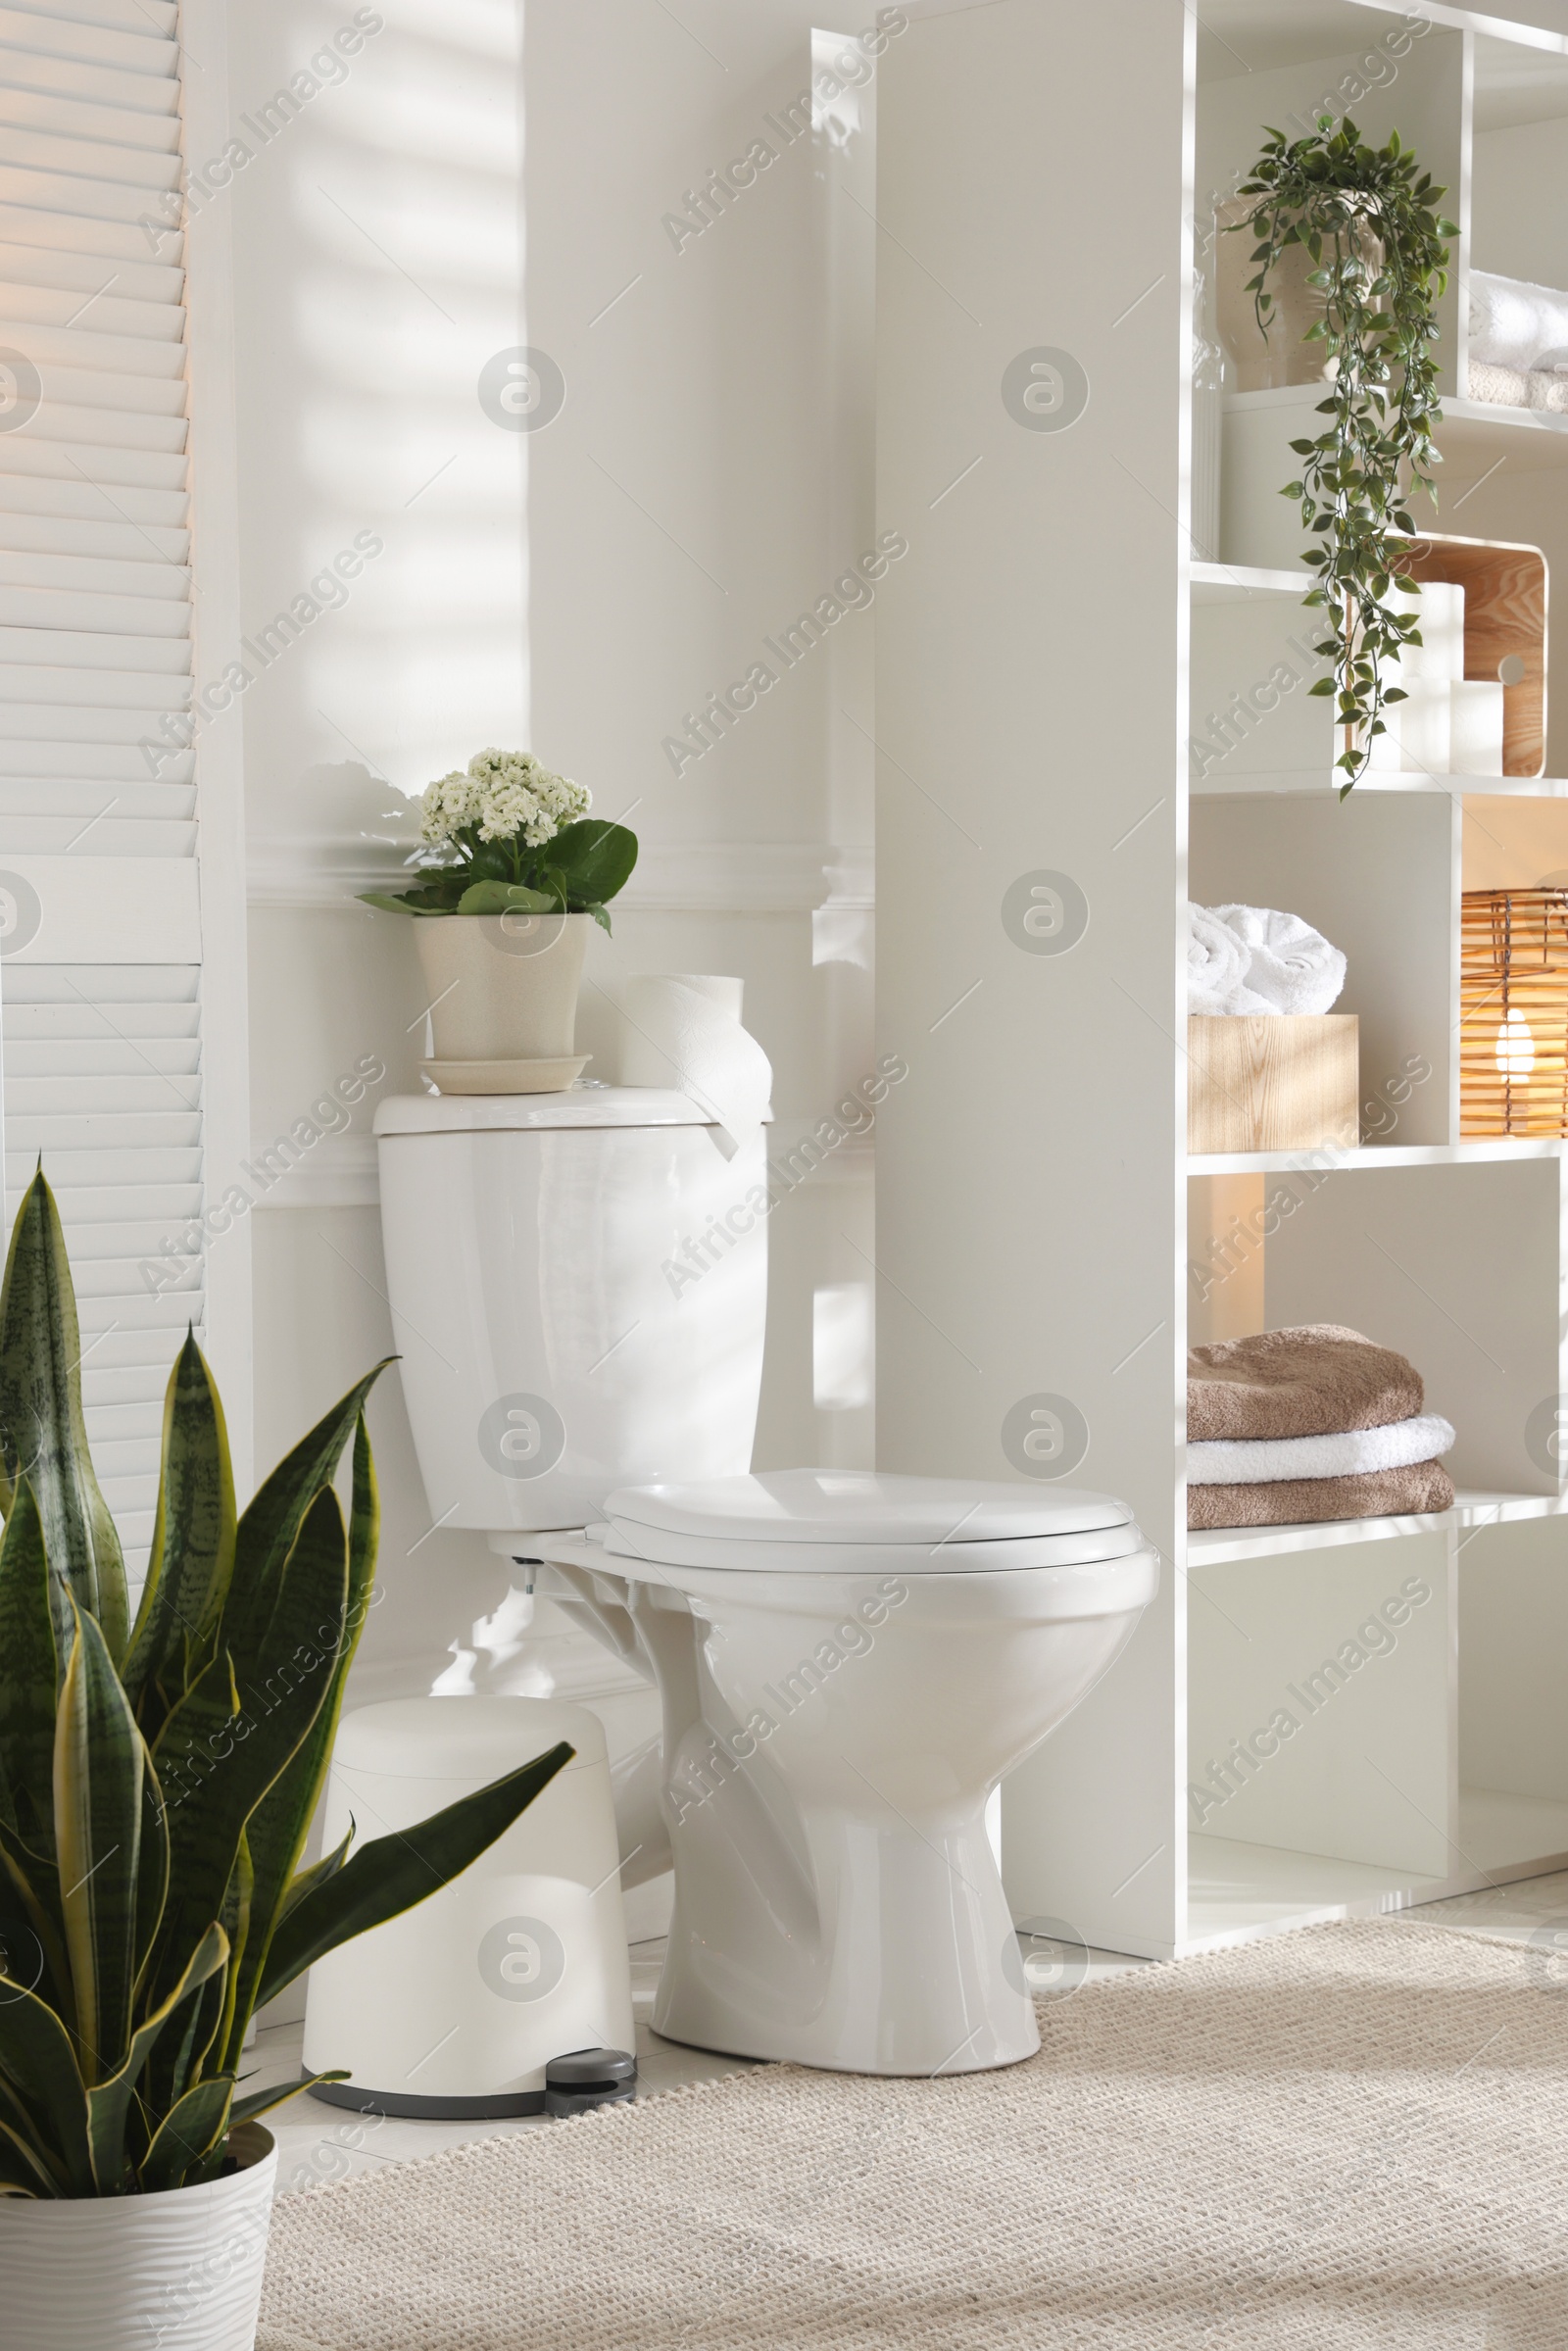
x,y
595,861
393,905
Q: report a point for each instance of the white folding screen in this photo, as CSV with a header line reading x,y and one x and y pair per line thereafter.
x,y
109,880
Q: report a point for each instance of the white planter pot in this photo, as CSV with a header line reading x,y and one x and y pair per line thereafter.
x,y
177,2271
503,986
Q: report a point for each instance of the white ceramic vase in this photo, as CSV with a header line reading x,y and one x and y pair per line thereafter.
x,y
180,2271
503,986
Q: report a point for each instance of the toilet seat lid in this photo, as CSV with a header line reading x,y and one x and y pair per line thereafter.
x,y
825,1516
580,1107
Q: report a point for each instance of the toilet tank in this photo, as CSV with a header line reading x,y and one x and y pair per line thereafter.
x,y
578,1286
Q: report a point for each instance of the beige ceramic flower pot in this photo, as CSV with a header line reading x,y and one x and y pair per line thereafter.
x,y
180,2271
503,986
1263,362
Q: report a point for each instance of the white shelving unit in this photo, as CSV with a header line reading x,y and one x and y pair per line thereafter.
x,y
1056,661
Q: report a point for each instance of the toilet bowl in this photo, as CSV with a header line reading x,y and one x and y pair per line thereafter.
x,y
847,1663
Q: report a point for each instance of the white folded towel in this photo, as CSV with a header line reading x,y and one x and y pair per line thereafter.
x,y
1216,967
1516,324
1260,1461
1517,387
1291,966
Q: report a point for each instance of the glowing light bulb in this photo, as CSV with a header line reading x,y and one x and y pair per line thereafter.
x,y
1516,1048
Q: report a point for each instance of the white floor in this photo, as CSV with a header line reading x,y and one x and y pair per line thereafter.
x,y
317,2144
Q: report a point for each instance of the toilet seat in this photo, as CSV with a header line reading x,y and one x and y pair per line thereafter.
x,y
628,1540
849,1522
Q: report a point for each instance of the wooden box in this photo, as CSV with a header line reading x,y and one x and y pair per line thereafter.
x,y
1504,631
1258,1082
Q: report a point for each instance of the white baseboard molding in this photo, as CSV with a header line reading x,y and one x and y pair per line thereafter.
x,y
340,1173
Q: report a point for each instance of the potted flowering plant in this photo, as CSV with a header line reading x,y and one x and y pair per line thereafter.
x,y
527,867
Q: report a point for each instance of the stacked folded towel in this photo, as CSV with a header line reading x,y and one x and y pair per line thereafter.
x,y
1258,959
1290,1428
1518,343
1516,324
1517,387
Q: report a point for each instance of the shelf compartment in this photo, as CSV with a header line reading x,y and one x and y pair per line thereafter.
x,y
1286,65
1512,1728
1237,1892
1459,1266
1318,1714
1506,614
1415,1748
1253,663
1262,531
1331,861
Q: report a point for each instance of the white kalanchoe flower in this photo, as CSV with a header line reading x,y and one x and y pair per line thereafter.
x,y
449,804
506,794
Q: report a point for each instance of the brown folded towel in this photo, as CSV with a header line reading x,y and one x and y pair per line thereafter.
x,y
1308,1502
1316,1381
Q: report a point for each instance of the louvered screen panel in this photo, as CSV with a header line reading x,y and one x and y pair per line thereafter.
x,y
102,1077
101,1057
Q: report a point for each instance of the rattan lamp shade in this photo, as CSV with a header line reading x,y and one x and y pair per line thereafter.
x,y
1513,993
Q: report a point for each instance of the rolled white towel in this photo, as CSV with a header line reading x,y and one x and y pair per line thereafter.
x,y
1516,324
1291,967
1216,967
1260,1461
1542,387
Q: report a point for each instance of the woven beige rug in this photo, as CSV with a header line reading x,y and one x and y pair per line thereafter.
x,y
1342,2139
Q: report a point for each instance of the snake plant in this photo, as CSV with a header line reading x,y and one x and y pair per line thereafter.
x,y
158,1780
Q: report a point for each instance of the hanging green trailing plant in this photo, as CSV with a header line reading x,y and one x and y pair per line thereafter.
x,y
1367,217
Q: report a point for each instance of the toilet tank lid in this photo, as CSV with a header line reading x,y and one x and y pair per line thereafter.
x,y
848,1505
584,1106
469,1739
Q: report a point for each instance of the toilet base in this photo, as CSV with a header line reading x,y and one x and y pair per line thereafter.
x,y
912,1967
839,2064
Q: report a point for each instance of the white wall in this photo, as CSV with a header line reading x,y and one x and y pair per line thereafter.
x,y
489,175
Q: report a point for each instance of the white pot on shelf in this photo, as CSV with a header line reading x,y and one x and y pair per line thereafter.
x,y
503,986
180,2271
